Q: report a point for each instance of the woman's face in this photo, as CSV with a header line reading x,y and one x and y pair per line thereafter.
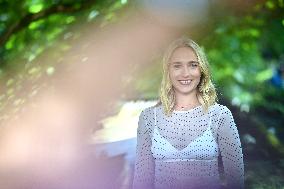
x,y
184,71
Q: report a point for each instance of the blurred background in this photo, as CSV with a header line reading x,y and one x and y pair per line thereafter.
x,y
75,75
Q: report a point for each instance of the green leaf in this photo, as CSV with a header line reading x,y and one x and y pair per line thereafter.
x,y
36,24
70,19
270,4
35,8
264,75
10,44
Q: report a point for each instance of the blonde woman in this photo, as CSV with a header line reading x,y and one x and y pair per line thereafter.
x,y
180,140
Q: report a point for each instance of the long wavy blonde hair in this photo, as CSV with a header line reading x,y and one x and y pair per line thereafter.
x,y
206,94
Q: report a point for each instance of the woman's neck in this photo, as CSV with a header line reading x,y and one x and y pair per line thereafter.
x,y
185,102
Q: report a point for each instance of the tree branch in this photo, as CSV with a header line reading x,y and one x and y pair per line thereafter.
x,y
29,18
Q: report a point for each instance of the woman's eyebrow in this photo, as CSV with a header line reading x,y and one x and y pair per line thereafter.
x,y
176,62
191,61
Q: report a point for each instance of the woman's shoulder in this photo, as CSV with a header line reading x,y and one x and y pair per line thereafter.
x,y
150,111
148,116
219,109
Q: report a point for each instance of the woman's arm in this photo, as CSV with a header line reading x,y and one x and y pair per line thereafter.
x,y
144,164
231,150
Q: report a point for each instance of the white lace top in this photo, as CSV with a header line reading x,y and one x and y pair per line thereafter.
x,y
181,151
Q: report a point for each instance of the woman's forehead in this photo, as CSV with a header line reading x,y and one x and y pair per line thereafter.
x,y
183,53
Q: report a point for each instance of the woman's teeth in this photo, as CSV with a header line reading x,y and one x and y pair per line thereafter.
x,y
185,82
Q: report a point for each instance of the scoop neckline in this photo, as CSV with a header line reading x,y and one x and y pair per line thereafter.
x,y
186,111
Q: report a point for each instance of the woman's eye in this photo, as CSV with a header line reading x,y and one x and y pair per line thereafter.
x,y
177,66
193,65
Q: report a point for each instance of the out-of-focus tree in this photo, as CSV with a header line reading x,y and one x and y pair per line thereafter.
x,y
245,47
34,34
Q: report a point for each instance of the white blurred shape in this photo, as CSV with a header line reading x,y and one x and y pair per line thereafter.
x,y
123,125
248,139
178,12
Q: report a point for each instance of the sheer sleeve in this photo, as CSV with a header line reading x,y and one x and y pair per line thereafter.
x,y
144,163
231,150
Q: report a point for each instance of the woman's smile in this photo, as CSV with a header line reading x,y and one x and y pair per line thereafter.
x,y
185,82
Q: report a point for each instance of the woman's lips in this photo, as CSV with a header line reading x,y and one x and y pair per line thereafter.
x,y
185,82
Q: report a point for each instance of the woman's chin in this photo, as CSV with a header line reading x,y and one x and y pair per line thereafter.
x,y
186,91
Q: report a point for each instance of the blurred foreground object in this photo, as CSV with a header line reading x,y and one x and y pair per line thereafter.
x,y
177,13
45,143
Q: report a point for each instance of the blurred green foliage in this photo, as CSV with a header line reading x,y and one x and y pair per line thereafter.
x,y
245,50
33,36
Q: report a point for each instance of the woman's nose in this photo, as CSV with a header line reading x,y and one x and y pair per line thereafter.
x,y
185,71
